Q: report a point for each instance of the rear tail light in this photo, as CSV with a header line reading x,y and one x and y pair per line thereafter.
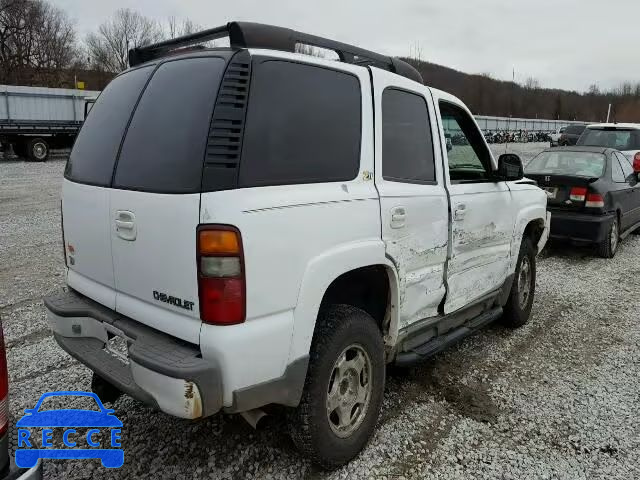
x,y
4,387
594,200
636,162
578,194
221,282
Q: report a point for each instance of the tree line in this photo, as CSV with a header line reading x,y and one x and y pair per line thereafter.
x,y
40,46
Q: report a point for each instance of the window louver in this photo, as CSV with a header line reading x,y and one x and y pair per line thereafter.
x,y
224,144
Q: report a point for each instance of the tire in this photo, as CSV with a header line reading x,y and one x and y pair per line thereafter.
x,y
347,333
608,247
37,150
517,310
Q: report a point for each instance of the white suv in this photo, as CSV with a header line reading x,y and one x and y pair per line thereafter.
x,y
248,226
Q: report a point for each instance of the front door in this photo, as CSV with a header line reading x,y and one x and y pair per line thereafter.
x,y
481,211
413,200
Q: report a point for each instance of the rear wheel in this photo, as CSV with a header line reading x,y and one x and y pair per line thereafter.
x,y
608,247
37,150
517,310
344,387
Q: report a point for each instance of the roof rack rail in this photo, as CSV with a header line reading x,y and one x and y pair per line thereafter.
x,y
257,35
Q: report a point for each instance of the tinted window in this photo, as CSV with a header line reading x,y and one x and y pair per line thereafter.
x,y
611,138
616,170
303,126
562,162
574,129
469,159
164,147
407,146
95,150
627,168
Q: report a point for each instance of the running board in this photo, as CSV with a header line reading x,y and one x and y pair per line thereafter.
x,y
436,345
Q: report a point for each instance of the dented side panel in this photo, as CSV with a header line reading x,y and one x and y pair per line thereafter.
x,y
480,242
414,216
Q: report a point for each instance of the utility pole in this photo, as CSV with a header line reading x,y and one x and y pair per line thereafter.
x,y
609,113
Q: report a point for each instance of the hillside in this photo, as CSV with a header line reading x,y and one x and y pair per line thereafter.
x,y
487,96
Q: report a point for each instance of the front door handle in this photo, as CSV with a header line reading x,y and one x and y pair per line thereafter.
x,y
125,222
398,217
460,212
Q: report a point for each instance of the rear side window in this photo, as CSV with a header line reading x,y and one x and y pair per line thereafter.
x,y
627,168
616,170
574,130
407,144
95,150
164,147
303,125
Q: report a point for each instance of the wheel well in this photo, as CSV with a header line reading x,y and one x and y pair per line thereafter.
x,y
366,288
534,230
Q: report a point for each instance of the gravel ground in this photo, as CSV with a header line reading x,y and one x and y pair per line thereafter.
x,y
557,399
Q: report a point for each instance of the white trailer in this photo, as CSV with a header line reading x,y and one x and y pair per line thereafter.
x,y
35,119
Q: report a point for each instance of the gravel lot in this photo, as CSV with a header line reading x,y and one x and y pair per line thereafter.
x,y
557,399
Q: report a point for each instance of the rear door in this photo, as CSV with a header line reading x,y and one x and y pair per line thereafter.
x,y
154,205
86,192
413,200
482,222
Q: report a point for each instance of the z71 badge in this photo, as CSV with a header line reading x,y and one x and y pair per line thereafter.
x,y
175,301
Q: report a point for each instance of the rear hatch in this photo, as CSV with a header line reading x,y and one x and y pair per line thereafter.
x,y
566,176
146,135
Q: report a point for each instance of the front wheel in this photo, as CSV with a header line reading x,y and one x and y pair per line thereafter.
x,y
343,391
517,310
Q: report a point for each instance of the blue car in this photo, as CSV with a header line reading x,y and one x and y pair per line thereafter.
x,y
28,454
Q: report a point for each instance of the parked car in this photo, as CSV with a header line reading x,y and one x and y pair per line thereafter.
x,y
252,226
619,136
8,469
555,137
570,135
594,194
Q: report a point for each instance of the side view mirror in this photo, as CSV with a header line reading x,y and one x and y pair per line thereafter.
x,y
510,167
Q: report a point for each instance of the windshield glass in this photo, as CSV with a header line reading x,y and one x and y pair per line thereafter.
x,y
611,138
580,164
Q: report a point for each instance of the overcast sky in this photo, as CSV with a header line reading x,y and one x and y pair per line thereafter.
x,y
567,44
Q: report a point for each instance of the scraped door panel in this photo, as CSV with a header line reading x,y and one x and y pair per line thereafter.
x,y
482,228
413,201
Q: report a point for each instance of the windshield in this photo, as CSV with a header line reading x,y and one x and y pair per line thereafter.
x,y
611,138
580,164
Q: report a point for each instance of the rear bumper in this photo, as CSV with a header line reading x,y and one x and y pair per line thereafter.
x,y
160,370
579,227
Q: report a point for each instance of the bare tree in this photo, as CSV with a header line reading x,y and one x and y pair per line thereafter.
x,y
37,42
178,28
108,49
532,83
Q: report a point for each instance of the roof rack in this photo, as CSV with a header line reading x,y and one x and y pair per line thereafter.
x,y
257,35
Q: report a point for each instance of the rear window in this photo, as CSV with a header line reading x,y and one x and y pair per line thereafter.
x,y
611,138
303,125
164,147
95,150
580,164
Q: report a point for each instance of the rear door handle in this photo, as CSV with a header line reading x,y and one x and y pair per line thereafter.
x,y
398,217
125,222
460,212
